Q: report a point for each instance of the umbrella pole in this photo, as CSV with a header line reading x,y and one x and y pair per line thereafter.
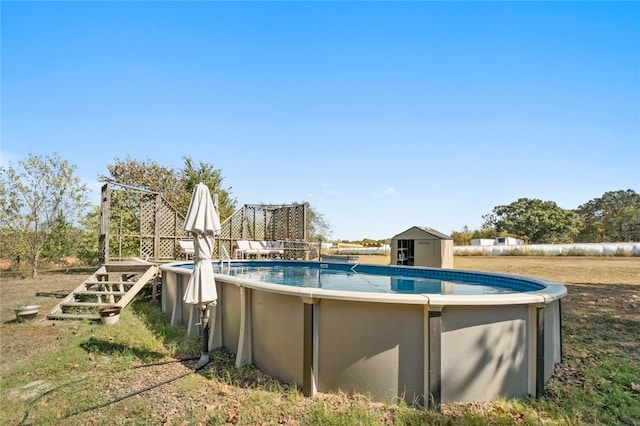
x,y
204,329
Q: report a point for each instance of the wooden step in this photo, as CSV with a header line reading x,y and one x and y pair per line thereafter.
x,y
120,273
118,286
88,305
74,316
99,293
92,282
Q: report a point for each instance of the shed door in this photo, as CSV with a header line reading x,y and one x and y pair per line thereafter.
x,y
425,253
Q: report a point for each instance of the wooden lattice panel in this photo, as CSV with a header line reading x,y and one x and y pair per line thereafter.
x,y
168,220
168,248
146,248
296,223
147,216
139,223
236,225
279,224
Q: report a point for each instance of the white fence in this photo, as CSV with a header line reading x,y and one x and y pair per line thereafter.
x,y
593,249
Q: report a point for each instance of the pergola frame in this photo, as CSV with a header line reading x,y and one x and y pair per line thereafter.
x,y
135,222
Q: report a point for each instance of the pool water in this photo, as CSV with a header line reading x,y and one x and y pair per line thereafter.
x,y
375,279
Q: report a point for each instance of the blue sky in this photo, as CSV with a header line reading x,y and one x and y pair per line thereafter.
x,y
382,115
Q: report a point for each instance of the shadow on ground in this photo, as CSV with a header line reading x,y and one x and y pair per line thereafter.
x,y
605,316
105,347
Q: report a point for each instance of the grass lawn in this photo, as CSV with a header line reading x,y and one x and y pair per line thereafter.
x,y
79,372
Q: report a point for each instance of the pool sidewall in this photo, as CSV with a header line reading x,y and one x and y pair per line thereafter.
x,y
415,347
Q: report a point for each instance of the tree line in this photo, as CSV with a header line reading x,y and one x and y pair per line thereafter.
x,y
613,217
45,215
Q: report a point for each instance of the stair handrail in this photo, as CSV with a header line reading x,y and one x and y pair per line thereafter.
x,y
223,253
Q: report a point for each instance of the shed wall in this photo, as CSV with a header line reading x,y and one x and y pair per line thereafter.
x,y
428,250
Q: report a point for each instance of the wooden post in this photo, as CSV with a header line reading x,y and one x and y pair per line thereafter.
x,y
105,215
156,228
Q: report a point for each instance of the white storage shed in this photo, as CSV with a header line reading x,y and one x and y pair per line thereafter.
x,y
422,246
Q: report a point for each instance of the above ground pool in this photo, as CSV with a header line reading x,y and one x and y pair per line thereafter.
x,y
422,335
373,278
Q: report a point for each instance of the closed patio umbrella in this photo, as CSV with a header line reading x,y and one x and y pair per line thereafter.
x,y
203,223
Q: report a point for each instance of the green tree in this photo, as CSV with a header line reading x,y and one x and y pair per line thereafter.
x,y
88,250
465,235
462,237
207,174
62,241
317,225
487,233
36,197
176,186
147,175
535,221
613,217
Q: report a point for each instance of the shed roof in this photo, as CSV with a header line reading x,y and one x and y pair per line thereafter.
x,y
430,231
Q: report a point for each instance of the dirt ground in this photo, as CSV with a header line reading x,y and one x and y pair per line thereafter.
x,y
602,307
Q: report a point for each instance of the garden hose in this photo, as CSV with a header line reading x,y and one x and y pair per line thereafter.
x,y
113,401
138,392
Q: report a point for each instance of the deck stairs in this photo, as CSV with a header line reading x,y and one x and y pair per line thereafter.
x,y
112,285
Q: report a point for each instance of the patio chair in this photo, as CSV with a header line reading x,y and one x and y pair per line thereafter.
x,y
259,248
275,248
245,250
186,247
